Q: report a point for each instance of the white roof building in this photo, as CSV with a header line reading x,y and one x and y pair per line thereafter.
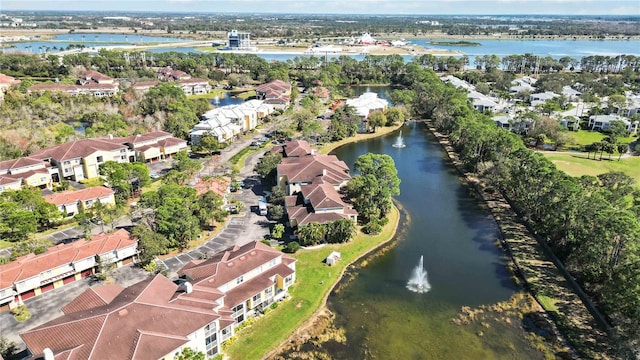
x,y
366,103
228,121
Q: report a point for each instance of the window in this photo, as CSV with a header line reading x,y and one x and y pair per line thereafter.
x,y
256,297
67,170
288,280
210,340
67,162
99,159
239,280
268,292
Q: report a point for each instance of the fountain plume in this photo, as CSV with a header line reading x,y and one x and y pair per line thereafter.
x,y
418,281
399,141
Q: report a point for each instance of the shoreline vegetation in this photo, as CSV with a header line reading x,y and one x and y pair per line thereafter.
x,y
455,43
531,264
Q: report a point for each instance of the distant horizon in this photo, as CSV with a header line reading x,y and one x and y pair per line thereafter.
x,y
578,8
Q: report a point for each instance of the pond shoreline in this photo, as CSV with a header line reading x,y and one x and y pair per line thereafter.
x,y
579,330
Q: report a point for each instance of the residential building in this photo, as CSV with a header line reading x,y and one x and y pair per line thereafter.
x,y
168,74
153,146
27,172
457,82
144,86
80,159
276,93
364,105
153,319
91,83
570,93
71,202
10,182
294,148
6,82
294,172
318,202
31,275
194,86
482,102
247,278
229,121
541,98
189,85
311,182
603,122
571,122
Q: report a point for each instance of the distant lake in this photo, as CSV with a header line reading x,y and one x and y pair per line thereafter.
x,y
62,41
554,48
225,99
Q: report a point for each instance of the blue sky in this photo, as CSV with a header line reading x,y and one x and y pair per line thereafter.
x,y
416,7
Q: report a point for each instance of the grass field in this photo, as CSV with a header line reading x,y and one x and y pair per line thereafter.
x,y
5,244
314,281
585,137
577,164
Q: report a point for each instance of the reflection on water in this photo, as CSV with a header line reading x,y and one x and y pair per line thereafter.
x,y
382,318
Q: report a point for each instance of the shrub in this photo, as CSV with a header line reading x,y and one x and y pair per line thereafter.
x,y
21,313
291,247
151,267
372,228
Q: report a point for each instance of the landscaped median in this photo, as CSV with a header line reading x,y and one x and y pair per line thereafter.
x,y
314,282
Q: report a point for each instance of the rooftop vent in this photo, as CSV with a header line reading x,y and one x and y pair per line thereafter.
x,y
123,312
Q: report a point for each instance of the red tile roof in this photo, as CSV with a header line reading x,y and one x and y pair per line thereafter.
x,y
229,265
307,168
15,164
6,79
97,76
322,195
297,148
72,197
217,185
77,149
93,297
10,179
31,265
139,323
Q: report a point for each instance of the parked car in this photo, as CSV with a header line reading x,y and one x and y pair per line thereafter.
x,y
256,143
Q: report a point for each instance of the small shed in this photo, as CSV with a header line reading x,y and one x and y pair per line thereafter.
x,y
332,258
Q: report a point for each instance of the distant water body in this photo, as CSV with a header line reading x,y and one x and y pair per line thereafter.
x,y
554,48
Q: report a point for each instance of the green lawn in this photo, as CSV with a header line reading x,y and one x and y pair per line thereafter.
x,y
577,164
246,94
5,244
214,92
585,137
314,282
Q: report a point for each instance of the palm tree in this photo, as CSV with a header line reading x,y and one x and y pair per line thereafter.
x,y
622,149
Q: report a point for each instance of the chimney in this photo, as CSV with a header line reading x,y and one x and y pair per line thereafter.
x,y
48,354
110,136
187,287
313,151
324,172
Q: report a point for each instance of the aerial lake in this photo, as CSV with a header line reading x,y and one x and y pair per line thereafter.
x,y
554,48
447,226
